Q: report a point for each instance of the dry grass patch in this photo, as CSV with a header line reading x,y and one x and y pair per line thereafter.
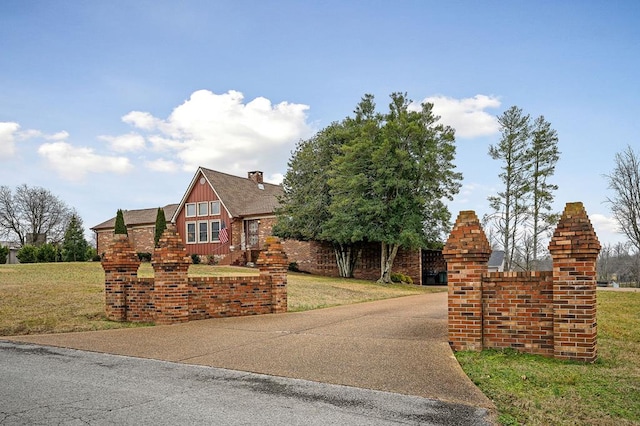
x,y
308,292
63,297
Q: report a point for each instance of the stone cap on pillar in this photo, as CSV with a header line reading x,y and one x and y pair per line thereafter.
x,y
467,239
274,255
574,233
170,248
119,253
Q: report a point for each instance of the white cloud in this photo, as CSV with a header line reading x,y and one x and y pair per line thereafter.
x,y
125,143
606,227
8,132
60,136
467,115
74,163
141,120
275,178
223,132
161,165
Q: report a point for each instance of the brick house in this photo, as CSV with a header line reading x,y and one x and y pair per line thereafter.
x,y
227,216
141,227
230,217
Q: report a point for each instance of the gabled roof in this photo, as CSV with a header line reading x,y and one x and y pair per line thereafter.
x,y
138,217
240,196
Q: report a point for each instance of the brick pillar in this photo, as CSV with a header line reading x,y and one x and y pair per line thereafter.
x,y
467,252
171,285
574,249
120,264
273,265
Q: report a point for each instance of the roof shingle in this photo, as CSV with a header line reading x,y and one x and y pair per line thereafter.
x,y
138,217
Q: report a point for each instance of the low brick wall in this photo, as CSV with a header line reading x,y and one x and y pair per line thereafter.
x,y
172,297
518,311
546,313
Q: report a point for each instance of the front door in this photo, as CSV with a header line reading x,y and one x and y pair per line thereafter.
x,y
253,236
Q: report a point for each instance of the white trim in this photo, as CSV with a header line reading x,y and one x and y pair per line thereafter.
x,y
211,203
206,240
195,232
195,210
206,203
194,180
217,240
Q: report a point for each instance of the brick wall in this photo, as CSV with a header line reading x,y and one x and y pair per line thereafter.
x,y
321,260
547,313
518,311
172,297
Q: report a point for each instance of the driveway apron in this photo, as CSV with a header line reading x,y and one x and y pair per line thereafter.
x,y
395,345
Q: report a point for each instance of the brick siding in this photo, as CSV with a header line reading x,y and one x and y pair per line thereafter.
x,y
319,258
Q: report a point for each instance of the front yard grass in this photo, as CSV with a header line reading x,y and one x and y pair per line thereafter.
x,y
534,390
62,297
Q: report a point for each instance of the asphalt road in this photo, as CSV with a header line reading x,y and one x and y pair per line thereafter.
x,y
41,385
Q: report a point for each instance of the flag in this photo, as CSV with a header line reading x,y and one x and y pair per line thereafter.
x,y
223,236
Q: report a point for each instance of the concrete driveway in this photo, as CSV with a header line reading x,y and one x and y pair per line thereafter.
x,y
396,345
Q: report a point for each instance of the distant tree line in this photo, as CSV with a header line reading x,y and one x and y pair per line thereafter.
x,y
42,225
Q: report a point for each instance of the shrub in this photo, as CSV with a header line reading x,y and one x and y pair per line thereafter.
x,y
401,278
144,256
293,267
4,254
195,258
92,254
120,227
28,254
47,253
161,225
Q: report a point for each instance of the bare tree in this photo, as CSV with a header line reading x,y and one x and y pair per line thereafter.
x,y
32,215
624,180
604,262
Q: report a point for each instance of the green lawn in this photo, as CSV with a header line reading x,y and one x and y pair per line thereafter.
x,y
531,390
534,390
63,297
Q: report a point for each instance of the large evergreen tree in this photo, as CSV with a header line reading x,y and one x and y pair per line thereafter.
x,y
305,203
389,181
75,246
372,178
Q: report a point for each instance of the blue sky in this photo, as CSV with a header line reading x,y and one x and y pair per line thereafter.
x,y
114,104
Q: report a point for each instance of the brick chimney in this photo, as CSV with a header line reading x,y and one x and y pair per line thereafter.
x,y
256,176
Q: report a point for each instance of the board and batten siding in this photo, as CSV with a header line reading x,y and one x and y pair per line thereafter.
x,y
202,192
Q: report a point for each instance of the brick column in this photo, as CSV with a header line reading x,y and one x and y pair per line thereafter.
x,y
467,252
171,286
273,265
574,249
120,264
